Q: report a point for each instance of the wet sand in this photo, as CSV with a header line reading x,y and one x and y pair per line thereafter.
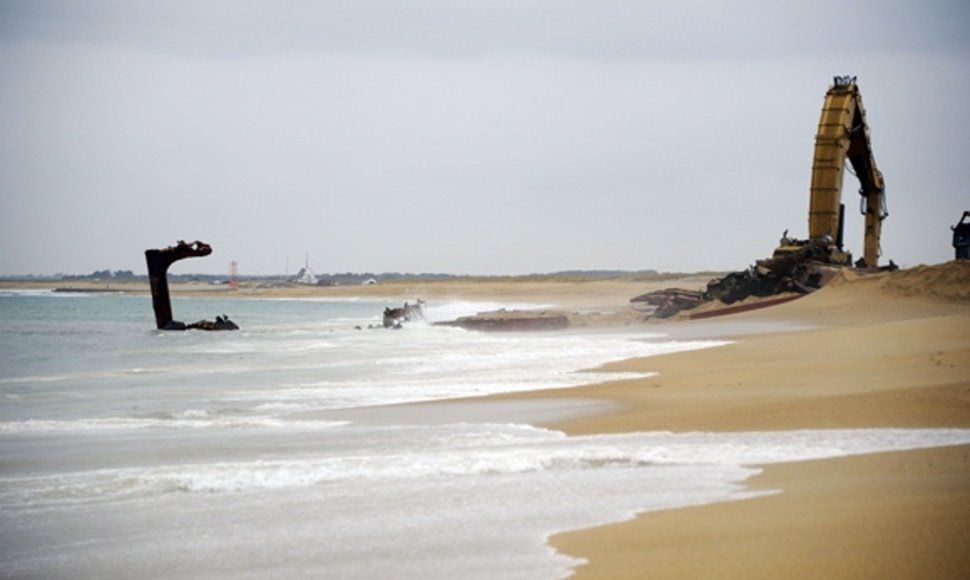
x,y
886,515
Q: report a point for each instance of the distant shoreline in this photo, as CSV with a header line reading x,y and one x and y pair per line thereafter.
x,y
73,289
607,293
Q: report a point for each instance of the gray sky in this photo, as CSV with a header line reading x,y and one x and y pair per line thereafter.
x,y
482,137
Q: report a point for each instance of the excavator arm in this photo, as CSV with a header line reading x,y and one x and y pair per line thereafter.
x,y
843,134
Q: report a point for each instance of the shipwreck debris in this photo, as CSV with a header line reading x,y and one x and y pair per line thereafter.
x,y
666,303
396,317
158,263
802,268
511,321
220,323
744,307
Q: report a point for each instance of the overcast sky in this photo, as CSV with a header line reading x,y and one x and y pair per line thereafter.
x,y
480,137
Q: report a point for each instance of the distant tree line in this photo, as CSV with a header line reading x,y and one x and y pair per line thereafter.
x,y
103,275
353,278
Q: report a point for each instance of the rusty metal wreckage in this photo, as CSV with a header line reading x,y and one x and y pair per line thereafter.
x,y
159,261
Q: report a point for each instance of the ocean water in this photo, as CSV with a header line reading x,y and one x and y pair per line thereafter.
x,y
278,451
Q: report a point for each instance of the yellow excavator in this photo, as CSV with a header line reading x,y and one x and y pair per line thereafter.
x,y
804,265
843,135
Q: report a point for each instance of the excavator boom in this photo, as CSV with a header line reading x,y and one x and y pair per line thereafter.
x,y
804,265
843,134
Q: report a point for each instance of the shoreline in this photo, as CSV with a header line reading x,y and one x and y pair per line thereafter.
x,y
883,351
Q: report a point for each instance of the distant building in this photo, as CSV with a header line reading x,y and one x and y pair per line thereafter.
x,y
306,275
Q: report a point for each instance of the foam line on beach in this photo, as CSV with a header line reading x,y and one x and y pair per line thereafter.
x,y
463,450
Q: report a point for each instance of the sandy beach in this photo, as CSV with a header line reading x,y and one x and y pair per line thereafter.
x,y
886,350
880,351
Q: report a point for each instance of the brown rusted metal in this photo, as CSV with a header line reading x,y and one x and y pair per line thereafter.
x,y
511,321
744,307
158,263
666,303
